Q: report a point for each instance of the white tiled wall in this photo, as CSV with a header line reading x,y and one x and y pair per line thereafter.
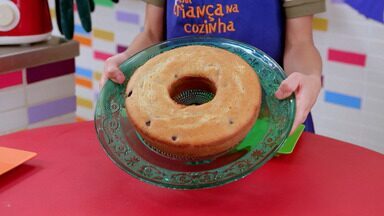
x,y
351,32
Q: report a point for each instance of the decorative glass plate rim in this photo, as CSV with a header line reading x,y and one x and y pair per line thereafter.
x,y
243,166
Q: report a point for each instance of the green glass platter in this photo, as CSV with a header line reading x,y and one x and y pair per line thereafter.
x,y
129,152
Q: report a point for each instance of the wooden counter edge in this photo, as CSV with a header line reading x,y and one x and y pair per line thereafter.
x,y
54,50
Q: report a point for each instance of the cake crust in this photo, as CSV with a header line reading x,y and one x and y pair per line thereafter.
x,y
193,131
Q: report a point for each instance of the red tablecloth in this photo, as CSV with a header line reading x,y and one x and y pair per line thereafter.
x,y
73,176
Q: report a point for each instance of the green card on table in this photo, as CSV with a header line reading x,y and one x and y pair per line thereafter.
x,y
290,143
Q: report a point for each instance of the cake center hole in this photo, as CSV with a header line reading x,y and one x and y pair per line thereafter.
x,y
192,91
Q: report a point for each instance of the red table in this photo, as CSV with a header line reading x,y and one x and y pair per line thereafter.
x,y
73,176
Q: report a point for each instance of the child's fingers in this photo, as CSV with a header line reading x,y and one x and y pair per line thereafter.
x,y
288,86
117,77
112,71
113,74
300,115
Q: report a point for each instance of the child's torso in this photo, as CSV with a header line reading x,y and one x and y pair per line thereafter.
x,y
256,22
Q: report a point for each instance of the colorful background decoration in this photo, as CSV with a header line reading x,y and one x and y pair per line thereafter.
x,y
352,47
114,27
29,97
350,106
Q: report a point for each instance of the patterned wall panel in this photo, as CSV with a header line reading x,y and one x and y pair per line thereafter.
x,y
30,98
114,27
350,105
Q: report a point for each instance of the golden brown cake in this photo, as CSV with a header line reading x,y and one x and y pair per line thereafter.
x,y
200,130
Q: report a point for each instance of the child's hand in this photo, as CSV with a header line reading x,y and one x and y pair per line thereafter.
x,y
112,71
306,88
